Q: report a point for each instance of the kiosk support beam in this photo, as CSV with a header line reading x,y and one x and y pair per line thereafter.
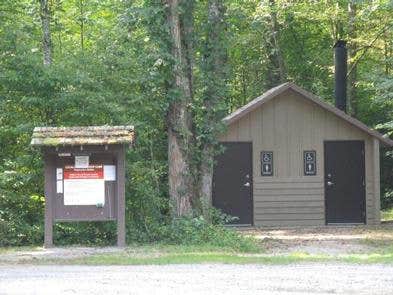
x,y
121,225
49,194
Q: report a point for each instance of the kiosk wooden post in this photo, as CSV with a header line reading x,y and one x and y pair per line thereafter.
x,y
121,208
49,179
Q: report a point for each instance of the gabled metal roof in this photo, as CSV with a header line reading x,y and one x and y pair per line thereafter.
x,y
274,92
89,135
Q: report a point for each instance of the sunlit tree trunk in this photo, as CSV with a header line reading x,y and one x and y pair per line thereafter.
x,y
387,53
179,114
276,68
46,32
82,24
352,49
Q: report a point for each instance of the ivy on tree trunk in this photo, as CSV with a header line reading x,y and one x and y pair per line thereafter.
x,y
214,72
179,114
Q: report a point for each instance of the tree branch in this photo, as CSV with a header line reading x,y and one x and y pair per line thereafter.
x,y
366,48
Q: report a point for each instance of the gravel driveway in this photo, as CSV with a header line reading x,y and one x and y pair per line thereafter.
x,y
198,279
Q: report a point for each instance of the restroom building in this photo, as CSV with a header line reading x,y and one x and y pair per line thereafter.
x,y
291,159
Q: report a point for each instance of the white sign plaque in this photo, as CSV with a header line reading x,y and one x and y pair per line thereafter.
x,y
81,161
110,172
59,173
59,186
84,186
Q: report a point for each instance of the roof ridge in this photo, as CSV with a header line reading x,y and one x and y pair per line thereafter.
x,y
95,127
275,91
83,135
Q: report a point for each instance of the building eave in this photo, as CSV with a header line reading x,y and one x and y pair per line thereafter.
x,y
276,91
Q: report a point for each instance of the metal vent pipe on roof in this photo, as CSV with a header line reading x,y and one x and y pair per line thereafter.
x,y
340,75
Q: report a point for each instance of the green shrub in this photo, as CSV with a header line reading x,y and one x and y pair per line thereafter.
x,y
387,200
18,233
21,214
197,231
86,233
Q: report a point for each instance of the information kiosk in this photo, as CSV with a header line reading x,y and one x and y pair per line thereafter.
x,y
84,174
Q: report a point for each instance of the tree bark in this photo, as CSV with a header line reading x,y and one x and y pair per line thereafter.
x,y
352,49
214,72
276,69
387,52
206,179
179,114
46,33
82,24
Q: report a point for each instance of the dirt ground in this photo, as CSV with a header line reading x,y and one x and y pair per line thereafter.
x,y
39,253
324,240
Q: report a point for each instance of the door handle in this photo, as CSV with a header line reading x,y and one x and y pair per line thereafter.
x,y
329,183
247,184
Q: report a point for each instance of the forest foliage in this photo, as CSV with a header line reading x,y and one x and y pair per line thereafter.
x,y
111,65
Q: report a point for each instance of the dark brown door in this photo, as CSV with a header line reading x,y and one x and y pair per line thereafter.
x,y
232,182
345,182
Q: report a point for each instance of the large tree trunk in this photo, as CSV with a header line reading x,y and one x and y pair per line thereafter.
x,y
46,34
388,49
179,115
214,72
82,24
206,179
276,69
352,49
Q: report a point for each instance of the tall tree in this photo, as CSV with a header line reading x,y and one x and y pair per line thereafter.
x,y
180,16
352,50
45,15
214,74
276,68
81,7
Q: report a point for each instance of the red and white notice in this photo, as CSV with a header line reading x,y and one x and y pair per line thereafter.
x,y
84,186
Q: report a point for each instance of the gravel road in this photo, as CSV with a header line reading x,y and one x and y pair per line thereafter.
x,y
197,279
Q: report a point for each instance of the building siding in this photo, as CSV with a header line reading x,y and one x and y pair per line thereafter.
x,y
288,125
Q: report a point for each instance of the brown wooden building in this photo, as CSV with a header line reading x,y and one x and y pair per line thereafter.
x,y
292,159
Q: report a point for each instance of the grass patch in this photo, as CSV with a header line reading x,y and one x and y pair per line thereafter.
x,y
225,258
387,215
161,254
7,250
160,248
191,258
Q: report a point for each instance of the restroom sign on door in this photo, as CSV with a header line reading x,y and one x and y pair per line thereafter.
x,y
84,186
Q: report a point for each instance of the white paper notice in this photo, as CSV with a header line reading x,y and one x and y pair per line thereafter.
x,y
110,172
59,173
84,192
84,186
81,161
59,186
